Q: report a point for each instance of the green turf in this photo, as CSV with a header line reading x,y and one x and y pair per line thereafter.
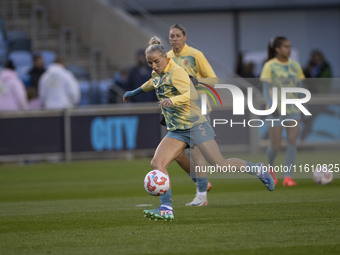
x,y
91,208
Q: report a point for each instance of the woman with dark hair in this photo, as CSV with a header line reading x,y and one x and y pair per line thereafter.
x,y
280,71
318,67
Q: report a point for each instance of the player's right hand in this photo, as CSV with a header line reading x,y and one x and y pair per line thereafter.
x,y
127,96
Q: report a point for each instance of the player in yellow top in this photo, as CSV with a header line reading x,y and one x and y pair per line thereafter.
x,y
200,71
191,59
175,91
182,115
280,71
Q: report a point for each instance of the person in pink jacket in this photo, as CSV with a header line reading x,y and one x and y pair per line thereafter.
x,y
12,91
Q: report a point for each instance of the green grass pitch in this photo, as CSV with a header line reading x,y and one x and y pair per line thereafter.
x,y
91,207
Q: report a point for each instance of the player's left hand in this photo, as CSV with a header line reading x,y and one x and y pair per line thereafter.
x,y
165,102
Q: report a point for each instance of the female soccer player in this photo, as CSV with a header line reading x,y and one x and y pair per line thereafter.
x,y
186,126
280,71
197,66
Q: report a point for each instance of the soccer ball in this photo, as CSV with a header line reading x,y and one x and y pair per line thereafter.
x,y
156,183
322,175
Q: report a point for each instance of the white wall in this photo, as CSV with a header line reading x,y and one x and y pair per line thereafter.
x,y
210,33
213,34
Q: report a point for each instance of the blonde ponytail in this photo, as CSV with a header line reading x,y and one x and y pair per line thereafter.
x,y
155,44
155,40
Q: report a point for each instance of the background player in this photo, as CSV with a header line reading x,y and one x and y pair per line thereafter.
x,y
197,66
280,71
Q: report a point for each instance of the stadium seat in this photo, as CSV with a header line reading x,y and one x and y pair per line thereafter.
x,y
85,88
19,44
104,91
22,61
79,72
12,35
100,92
17,40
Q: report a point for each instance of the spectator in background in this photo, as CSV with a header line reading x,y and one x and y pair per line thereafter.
x,y
58,88
120,78
245,70
12,90
138,75
35,73
318,67
248,70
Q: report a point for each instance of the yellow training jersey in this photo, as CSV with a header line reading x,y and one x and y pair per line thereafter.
x,y
174,83
196,65
193,61
283,74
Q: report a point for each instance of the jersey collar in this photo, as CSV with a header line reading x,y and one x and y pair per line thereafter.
x,y
183,51
282,63
169,65
167,68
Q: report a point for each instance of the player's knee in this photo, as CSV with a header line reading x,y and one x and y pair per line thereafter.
x,y
291,141
181,158
154,163
231,161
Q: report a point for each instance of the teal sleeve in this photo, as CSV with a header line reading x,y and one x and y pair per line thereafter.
x,y
266,94
133,93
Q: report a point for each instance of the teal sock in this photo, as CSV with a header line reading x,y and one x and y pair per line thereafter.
x,y
202,184
290,159
271,155
193,178
252,168
166,199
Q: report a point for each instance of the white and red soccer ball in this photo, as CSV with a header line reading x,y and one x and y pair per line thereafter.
x,y
156,183
322,176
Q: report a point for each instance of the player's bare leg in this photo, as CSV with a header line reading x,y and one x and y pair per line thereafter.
x,y
275,134
166,152
187,164
212,153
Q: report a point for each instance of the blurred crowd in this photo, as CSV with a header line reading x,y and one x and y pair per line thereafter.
x,y
49,83
54,86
